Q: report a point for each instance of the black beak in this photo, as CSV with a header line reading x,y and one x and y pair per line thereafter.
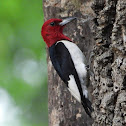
x,y
67,20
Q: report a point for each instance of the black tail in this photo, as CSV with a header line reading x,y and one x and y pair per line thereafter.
x,y
87,106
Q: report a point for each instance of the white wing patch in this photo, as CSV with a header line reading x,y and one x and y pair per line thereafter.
x,y
72,87
78,60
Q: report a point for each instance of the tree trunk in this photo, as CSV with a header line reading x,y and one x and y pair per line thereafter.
x,y
109,82
109,62
64,110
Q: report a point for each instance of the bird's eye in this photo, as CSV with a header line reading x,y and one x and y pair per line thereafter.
x,y
52,23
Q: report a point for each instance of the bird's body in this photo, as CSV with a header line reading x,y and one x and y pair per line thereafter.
x,y
69,62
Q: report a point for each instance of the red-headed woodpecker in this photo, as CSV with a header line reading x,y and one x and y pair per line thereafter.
x,y
67,59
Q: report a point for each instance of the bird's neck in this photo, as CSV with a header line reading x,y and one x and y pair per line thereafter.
x,y
50,40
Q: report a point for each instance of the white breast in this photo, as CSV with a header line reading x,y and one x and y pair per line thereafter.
x,y
72,87
78,60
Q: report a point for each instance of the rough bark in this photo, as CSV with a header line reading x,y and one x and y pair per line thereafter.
x,y
64,110
109,62
109,82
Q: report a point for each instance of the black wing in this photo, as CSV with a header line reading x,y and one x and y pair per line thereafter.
x,y
63,64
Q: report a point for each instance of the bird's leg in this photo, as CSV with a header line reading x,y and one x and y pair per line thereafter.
x,y
88,67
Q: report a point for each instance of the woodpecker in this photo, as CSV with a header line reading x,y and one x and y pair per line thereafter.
x,y
67,59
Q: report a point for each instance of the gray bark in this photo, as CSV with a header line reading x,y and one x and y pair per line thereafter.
x,y
109,83
109,62
64,110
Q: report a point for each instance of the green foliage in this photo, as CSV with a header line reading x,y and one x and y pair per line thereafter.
x,y
23,71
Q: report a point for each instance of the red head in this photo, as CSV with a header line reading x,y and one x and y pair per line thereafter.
x,y
52,30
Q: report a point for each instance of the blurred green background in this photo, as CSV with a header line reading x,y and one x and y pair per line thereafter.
x,y
23,69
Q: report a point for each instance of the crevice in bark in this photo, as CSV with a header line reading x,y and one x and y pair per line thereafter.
x,y
124,82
